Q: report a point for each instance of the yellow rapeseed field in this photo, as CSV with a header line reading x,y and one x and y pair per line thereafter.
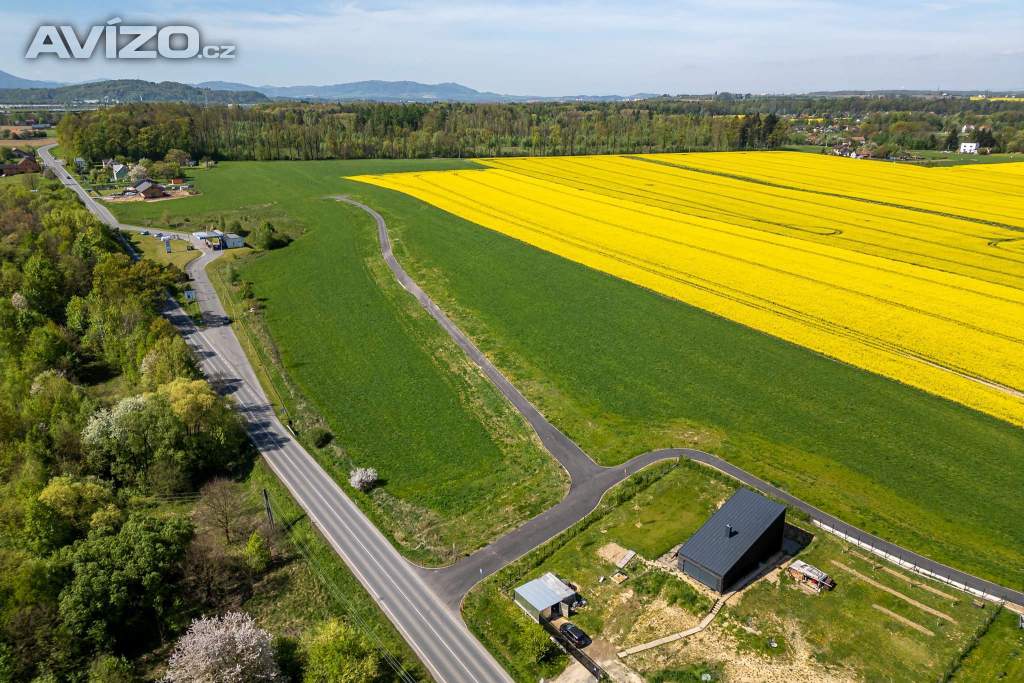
x,y
913,273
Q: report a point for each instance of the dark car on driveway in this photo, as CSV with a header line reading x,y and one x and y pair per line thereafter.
x,y
574,634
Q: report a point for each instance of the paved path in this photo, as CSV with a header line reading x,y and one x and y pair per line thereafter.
x,y
589,481
434,631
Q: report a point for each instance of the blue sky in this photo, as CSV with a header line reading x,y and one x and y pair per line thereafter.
x,y
557,48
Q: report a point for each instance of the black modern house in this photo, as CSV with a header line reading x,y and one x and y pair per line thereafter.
x,y
744,532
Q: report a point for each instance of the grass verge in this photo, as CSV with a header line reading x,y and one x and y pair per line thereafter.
x,y
342,346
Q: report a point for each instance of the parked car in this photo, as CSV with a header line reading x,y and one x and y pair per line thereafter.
x,y
144,233
574,634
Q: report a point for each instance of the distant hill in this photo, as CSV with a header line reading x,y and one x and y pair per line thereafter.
x,y
398,91
112,92
8,81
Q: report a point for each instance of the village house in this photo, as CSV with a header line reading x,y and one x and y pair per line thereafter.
x,y
118,172
25,165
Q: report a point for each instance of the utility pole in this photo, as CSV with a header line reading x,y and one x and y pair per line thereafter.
x,y
266,504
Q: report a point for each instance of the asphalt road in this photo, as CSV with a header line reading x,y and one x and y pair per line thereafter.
x,y
590,481
436,632
423,603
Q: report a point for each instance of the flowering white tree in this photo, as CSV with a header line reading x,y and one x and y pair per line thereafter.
x,y
226,649
362,478
138,173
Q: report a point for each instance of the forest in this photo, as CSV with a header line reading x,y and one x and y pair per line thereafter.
x,y
378,130
123,530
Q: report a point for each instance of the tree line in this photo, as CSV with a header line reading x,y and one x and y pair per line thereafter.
x,y
107,429
376,130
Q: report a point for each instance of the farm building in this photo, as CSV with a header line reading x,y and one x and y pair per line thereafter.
x,y
149,190
543,598
232,241
118,172
24,165
968,147
744,532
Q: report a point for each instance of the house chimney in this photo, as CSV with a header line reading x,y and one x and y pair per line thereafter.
x,y
728,530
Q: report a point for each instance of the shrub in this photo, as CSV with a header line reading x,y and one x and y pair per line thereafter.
x,y
320,437
226,649
257,553
362,478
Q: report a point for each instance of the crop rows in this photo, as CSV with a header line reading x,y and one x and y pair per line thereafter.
x,y
912,273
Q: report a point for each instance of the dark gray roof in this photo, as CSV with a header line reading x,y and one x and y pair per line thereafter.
x,y
749,513
144,185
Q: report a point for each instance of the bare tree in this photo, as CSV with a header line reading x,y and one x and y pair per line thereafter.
x,y
226,649
223,506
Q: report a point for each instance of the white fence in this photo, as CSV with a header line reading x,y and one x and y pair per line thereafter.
x,y
906,564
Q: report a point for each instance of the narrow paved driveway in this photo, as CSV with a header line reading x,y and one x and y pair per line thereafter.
x,y
590,481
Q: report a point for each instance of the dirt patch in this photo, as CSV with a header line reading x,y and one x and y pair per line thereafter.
x,y
715,645
612,553
170,194
903,620
658,620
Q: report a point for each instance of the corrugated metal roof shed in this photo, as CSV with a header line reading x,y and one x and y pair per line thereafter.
x,y
545,591
717,548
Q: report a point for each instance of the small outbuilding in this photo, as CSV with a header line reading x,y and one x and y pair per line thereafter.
x,y
118,172
744,532
544,598
232,241
968,147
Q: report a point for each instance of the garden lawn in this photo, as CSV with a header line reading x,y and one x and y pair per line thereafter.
x,y
457,465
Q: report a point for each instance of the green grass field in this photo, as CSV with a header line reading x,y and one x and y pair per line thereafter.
x,y
458,465
622,370
153,248
998,656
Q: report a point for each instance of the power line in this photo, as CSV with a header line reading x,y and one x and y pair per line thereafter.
x,y
338,594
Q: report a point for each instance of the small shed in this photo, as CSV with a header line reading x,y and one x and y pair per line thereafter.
x,y
232,241
542,598
118,172
811,576
744,532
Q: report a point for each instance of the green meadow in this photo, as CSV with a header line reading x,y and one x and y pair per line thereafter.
x,y
457,465
619,369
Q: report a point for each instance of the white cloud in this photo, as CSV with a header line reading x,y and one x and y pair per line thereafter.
x,y
599,47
